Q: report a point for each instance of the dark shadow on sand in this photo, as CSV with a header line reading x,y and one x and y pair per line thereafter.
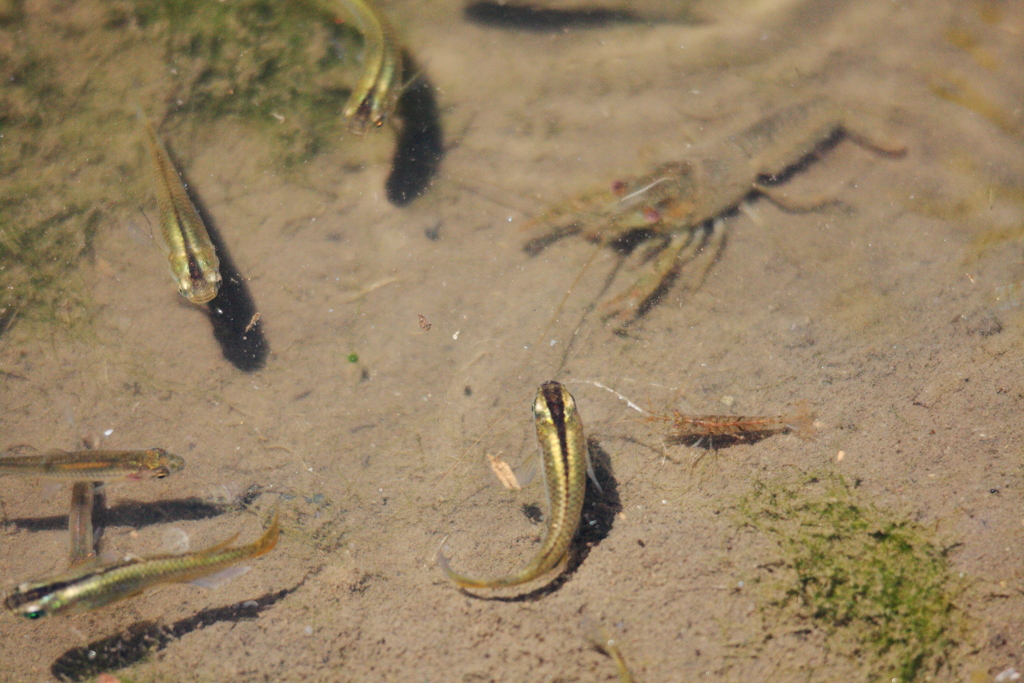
x,y
720,441
131,513
232,313
142,639
420,145
523,17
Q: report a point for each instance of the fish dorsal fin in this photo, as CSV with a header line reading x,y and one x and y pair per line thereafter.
x,y
220,546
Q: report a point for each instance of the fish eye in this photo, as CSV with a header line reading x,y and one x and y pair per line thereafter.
x,y
161,472
35,614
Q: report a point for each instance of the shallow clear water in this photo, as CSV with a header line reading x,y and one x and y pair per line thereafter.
x,y
397,345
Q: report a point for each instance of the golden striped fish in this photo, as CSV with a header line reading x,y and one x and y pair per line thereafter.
x,y
155,463
376,93
566,464
182,236
93,585
82,545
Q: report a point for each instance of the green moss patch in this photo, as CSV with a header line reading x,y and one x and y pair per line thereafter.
x,y
287,67
877,586
71,161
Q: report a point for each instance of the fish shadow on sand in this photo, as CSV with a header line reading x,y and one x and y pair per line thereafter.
x,y
232,313
420,145
599,511
143,638
131,513
522,17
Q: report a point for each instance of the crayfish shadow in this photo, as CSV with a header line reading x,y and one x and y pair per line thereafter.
x,y
142,639
720,441
596,520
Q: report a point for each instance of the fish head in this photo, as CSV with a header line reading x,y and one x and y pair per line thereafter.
x,y
200,290
553,402
34,601
374,109
159,463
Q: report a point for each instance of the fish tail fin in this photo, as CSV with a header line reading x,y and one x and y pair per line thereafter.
x,y
460,580
802,422
540,566
269,538
155,145
140,114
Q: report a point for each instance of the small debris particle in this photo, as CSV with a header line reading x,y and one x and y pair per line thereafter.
x,y
503,472
1007,675
252,322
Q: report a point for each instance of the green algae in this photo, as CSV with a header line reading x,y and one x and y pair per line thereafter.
x,y
41,240
69,163
284,67
878,586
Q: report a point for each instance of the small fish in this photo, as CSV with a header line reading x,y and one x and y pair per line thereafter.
x,y
566,464
155,463
602,641
83,539
182,236
92,585
376,93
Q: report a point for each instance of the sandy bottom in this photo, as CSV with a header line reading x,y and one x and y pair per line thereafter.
x,y
893,311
